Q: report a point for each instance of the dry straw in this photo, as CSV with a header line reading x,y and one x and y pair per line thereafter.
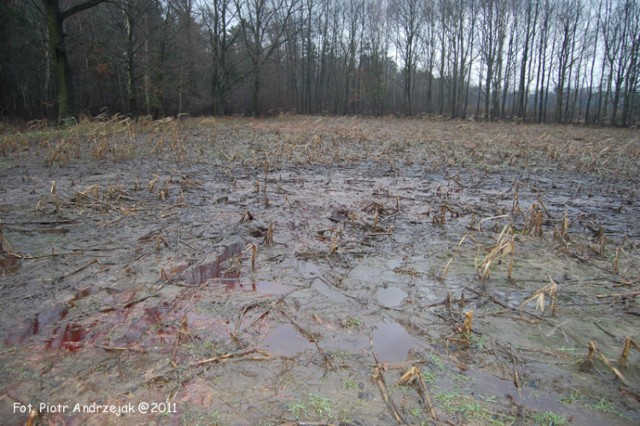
x,y
505,247
538,297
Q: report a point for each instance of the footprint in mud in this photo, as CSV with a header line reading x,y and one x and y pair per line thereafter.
x,y
390,296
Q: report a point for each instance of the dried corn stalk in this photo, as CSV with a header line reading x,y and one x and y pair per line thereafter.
x,y
538,296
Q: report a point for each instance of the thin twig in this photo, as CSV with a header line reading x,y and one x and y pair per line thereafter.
x,y
382,387
220,358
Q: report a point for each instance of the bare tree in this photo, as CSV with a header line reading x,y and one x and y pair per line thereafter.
x,y
353,21
376,64
493,23
407,17
263,24
530,12
130,23
632,79
620,37
218,17
543,67
545,60
594,38
429,52
568,18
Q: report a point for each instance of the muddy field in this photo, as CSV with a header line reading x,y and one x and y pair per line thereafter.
x,y
307,270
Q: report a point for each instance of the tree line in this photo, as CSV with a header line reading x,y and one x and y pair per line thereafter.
x,y
566,61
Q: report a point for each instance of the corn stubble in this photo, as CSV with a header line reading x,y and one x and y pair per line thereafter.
x,y
504,248
320,143
550,290
594,353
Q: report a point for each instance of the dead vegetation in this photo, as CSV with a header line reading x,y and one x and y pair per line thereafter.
x,y
238,259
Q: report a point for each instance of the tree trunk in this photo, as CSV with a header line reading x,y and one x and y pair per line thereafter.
x,y
131,79
60,61
587,113
55,20
255,92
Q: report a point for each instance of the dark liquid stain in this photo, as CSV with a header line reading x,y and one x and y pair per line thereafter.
x,y
390,297
392,342
64,337
153,323
206,326
36,325
154,315
129,324
80,294
70,339
285,340
203,273
9,265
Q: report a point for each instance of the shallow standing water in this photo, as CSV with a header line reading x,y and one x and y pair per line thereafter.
x,y
247,271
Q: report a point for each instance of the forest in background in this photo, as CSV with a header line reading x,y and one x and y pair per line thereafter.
x,y
566,61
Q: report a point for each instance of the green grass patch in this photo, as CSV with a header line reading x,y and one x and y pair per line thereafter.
x,y
548,418
603,405
312,405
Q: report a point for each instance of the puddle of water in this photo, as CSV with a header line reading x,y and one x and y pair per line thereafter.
x,y
9,265
203,273
390,297
491,384
285,340
367,271
392,342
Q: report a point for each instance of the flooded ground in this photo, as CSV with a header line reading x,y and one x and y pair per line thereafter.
x,y
306,270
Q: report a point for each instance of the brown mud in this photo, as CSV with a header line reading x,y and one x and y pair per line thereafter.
x,y
329,270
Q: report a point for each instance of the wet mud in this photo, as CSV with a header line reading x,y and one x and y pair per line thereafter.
x,y
328,270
